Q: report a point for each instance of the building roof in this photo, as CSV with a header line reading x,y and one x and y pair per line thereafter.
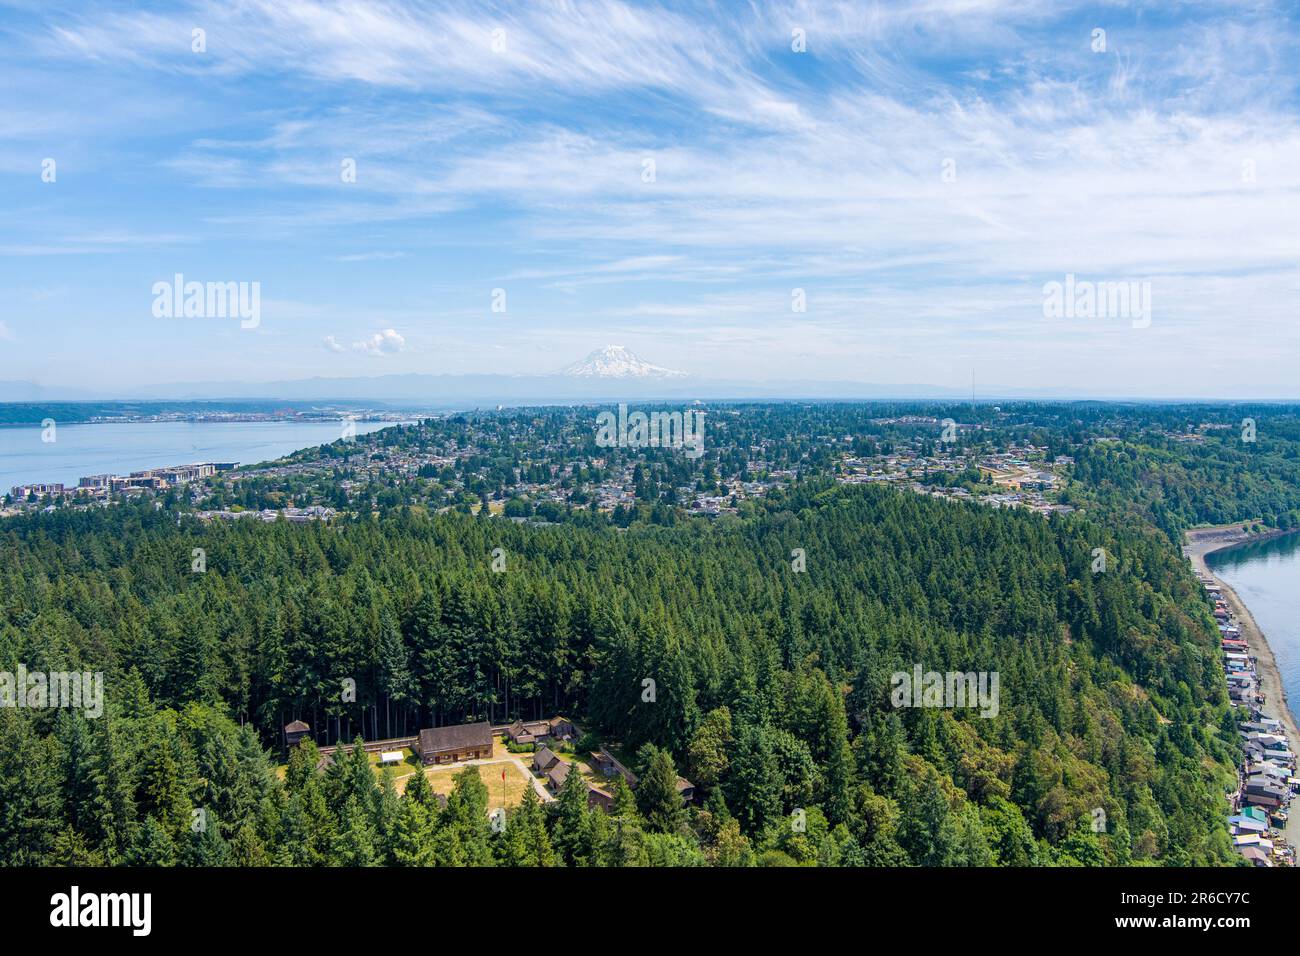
x,y
558,774
1254,854
456,737
297,727
1249,823
534,727
1264,800
606,760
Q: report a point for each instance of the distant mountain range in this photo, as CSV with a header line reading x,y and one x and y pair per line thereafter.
x,y
612,373
609,374
468,391
614,361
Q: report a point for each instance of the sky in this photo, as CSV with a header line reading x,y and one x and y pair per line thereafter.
x,y
870,192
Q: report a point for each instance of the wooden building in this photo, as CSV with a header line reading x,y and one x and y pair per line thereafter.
x,y
459,742
559,773
295,732
608,764
544,760
529,731
556,776
540,731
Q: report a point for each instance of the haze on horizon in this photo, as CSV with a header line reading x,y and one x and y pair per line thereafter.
x,y
674,177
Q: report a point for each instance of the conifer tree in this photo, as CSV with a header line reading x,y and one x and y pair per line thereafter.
x,y
527,842
657,796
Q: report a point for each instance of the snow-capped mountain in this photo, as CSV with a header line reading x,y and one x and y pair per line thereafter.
x,y
614,361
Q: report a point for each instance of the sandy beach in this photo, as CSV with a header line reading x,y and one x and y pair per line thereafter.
x,y
1197,544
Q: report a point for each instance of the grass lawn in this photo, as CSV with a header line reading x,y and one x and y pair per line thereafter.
x,y
442,779
410,762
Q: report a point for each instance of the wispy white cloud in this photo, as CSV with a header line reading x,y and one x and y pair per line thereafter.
x,y
1167,156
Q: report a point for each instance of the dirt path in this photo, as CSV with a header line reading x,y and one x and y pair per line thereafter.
x,y
537,784
1200,542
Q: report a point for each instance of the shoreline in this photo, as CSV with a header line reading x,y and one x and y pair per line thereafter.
x,y
70,482
1199,542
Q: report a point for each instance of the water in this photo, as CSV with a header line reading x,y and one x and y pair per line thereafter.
x,y
123,447
1266,576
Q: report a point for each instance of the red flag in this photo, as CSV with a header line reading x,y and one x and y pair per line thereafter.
x,y
503,776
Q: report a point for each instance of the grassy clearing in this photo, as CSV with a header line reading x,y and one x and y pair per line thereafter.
x,y
442,779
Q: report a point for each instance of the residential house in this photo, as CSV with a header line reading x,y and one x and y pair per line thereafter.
x,y
1259,793
1241,824
1255,856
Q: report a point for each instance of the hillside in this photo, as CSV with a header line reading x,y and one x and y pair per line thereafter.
x,y
773,686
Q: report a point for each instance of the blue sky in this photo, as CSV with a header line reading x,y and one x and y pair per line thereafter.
x,y
522,167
